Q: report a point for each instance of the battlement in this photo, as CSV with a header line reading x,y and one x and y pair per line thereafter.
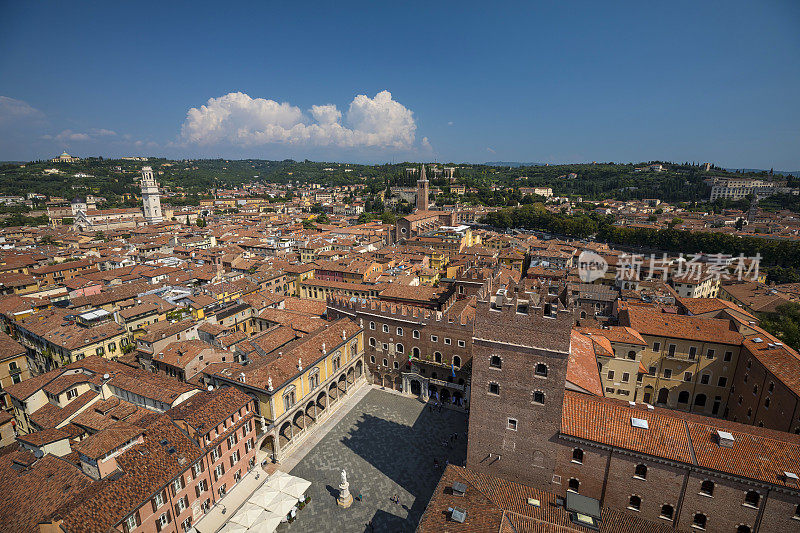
x,y
524,318
354,305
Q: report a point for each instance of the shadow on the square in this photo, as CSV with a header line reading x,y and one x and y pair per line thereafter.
x,y
389,446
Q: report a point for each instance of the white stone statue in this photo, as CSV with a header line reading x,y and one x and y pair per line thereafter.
x,y
269,383
345,499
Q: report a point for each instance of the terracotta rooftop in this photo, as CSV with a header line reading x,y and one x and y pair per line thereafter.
x,y
657,324
497,505
757,453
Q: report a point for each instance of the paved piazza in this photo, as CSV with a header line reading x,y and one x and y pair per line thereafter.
x,y
387,443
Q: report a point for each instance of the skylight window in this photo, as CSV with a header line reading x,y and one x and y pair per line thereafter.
x,y
639,423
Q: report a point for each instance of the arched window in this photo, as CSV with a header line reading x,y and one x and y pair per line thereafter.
x,y
541,370
385,362
667,511
456,361
415,334
641,471
574,485
538,397
700,400
495,362
400,348
699,521
632,355
415,352
752,498
635,503
288,398
437,357
707,488
663,395
372,341
583,314
683,397
372,359
577,456
400,332
372,325
743,529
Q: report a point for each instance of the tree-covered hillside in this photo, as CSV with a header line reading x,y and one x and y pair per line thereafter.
x,y
113,178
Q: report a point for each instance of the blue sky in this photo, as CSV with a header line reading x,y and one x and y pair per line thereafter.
x,y
380,81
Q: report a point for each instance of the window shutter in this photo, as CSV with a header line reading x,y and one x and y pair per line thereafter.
x,y
169,518
158,524
153,502
197,490
138,518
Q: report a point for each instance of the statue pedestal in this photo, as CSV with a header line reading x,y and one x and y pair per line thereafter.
x,y
345,499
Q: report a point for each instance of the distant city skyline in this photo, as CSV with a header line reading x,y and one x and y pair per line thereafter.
x,y
577,82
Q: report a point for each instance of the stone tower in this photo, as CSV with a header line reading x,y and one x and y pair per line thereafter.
x,y
151,198
422,191
519,366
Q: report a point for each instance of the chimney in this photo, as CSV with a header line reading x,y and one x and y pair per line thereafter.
x,y
726,439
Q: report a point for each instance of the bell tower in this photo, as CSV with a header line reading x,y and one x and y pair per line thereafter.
x,y
151,198
422,191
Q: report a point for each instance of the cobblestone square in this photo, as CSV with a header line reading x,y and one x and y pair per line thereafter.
x,y
388,444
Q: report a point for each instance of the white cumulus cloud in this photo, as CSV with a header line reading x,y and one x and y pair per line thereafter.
x,y
240,120
18,111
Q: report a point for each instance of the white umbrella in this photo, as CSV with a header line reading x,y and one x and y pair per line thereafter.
x,y
232,527
296,487
264,497
279,480
282,504
249,515
268,525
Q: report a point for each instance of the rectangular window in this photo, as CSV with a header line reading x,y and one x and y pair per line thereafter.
x,y
434,338
72,393
512,424
710,354
705,378
728,356
692,352
494,388
652,370
671,350
625,377
461,344
447,341
610,374
656,346
722,381
667,373
130,522
687,376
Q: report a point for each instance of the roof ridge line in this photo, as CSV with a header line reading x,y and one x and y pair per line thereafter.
x,y
689,440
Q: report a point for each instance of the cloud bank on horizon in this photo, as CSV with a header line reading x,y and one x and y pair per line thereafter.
x,y
234,122
237,119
